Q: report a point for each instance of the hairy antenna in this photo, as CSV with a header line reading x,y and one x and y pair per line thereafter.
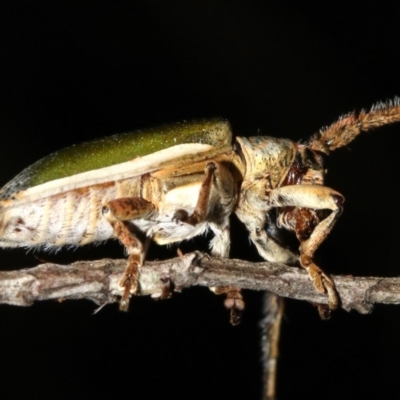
x,y
344,130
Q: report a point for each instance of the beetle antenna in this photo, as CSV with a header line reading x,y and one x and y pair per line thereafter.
x,y
349,126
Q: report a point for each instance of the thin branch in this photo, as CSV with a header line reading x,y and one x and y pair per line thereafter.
x,y
98,281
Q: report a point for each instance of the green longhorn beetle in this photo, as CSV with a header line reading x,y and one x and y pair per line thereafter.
x,y
174,183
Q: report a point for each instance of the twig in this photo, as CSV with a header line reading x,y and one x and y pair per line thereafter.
x,y
98,281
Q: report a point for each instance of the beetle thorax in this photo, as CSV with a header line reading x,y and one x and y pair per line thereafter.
x,y
266,157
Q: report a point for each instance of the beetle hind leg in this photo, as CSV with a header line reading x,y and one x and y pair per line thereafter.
x,y
119,212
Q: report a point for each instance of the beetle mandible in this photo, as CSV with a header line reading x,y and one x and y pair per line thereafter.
x,y
174,183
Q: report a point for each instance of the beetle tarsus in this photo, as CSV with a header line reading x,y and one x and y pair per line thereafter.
x,y
129,282
322,282
124,302
233,302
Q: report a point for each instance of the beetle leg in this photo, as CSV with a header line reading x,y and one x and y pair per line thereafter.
x,y
217,197
253,211
233,302
201,208
127,208
220,246
268,248
119,212
310,198
216,200
221,242
137,249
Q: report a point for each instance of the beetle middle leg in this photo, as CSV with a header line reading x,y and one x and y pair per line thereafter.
x,y
200,212
220,246
119,214
303,220
217,198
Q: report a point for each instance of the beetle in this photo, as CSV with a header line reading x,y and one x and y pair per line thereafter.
x,y
174,183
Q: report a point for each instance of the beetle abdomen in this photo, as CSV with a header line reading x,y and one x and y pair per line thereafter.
x,y
70,218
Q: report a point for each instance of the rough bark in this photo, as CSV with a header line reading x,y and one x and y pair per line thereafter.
x,y
98,281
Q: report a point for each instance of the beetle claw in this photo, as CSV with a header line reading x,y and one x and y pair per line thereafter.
x,y
235,317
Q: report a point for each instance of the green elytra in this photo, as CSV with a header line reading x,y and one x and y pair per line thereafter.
x,y
117,149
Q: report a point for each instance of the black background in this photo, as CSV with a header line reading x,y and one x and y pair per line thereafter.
x,y
71,72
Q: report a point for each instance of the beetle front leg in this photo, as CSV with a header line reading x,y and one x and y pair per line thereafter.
x,y
119,213
310,231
